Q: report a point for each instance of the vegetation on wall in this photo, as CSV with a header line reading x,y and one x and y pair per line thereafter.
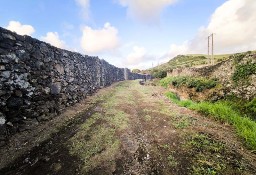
x,y
199,84
159,74
243,71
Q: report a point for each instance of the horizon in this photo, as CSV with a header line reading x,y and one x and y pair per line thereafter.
x,y
135,34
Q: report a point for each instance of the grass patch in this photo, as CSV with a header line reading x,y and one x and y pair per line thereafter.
x,y
147,118
117,118
175,98
96,143
182,121
95,146
171,161
199,84
210,157
221,110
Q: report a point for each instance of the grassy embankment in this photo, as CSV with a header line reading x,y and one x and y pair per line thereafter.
x,y
224,110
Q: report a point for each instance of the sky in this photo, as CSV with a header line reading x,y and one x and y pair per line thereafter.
x,y
135,33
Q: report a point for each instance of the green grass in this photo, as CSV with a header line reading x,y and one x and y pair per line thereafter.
x,y
221,110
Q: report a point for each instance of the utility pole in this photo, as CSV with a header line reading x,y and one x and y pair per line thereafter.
x,y
210,59
212,51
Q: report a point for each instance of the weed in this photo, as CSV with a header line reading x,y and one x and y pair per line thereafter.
x,y
203,142
147,118
182,122
171,161
206,155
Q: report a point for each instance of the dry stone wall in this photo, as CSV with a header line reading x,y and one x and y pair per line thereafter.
x,y
38,80
224,71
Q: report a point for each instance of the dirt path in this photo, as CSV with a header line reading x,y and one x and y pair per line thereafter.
x,y
134,129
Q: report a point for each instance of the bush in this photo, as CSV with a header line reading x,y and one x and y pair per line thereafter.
x,y
159,74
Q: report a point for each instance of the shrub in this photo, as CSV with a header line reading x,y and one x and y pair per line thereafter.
x,y
159,74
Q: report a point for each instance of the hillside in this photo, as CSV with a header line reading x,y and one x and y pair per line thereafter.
x,y
192,60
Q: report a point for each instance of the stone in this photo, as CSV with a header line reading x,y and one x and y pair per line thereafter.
x,y
4,60
2,119
55,88
59,68
8,36
14,102
2,67
9,124
44,48
39,64
47,59
71,80
6,74
13,57
18,93
65,54
47,90
2,143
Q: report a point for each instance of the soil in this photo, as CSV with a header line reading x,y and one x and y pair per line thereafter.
x,y
128,128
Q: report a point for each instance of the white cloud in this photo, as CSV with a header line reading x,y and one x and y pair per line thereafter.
x,y
138,58
177,50
233,25
100,40
53,38
85,5
19,28
146,10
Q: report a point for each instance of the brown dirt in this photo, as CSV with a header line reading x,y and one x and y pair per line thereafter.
x,y
158,137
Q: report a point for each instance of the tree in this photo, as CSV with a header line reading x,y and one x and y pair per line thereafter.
x,y
136,71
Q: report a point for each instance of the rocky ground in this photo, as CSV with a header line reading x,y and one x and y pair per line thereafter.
x,y
129,128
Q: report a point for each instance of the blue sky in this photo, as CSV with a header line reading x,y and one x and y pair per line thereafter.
x,y
134,33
